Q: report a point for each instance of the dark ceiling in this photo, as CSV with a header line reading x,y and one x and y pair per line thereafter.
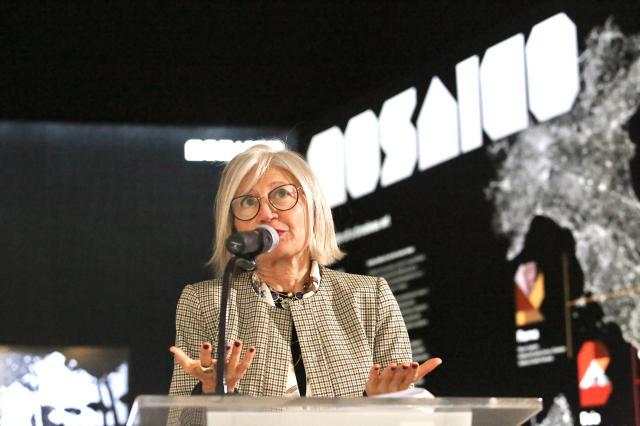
x,y
273,63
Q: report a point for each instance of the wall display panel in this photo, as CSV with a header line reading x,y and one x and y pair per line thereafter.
x,y
72,385
102,226
501,205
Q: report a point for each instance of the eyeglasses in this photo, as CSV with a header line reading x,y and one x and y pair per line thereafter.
x,y
281,198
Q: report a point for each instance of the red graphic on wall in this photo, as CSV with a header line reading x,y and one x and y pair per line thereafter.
x,y
595,387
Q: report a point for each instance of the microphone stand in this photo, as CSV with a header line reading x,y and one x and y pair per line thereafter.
x,y
236,262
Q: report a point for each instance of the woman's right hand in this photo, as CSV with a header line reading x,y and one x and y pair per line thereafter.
x,y
204,368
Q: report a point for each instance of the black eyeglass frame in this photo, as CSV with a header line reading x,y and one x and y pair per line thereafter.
x,y
297,188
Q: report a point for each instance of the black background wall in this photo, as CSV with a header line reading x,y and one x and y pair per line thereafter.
x,y
102,221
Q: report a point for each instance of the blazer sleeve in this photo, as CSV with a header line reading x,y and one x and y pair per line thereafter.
x,y
190,334
391,343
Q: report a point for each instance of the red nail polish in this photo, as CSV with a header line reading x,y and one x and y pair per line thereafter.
x,y
414,365
236,344
404,367
227,346
206,346
252,349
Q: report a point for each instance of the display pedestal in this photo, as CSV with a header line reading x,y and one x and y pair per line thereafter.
x,y
248,411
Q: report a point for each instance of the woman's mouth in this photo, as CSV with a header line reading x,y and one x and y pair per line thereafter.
x,y
280,232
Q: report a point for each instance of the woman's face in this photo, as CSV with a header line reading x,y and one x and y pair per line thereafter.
x,y
291,225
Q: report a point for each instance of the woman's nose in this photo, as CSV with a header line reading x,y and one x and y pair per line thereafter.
x,y
267,213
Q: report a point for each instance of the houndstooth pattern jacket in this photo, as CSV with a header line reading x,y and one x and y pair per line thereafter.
x,y
352,322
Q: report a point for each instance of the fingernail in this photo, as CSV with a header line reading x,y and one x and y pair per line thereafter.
x,y
206,346
376,367
252,349
236,344
227,346
414,365
393,367
404,366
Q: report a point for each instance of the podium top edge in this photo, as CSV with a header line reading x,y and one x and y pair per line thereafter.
x,y
440,403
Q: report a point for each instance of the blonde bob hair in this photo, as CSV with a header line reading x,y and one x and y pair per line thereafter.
x,y
254,162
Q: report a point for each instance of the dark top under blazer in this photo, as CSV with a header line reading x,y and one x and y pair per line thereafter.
x,y
352,322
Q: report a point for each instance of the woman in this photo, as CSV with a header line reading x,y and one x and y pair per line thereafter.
x,y
295,326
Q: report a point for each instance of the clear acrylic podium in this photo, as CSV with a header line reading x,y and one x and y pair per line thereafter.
x,y
245,411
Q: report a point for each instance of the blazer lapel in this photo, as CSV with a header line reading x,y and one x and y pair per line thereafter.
x,y
333,342
269,330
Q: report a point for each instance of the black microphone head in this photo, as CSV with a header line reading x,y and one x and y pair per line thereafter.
x,y
249,244
269,236
235,243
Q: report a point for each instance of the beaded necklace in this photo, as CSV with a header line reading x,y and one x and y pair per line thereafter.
x,y
282,298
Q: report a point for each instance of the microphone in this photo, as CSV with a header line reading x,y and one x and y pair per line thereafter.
x,y
249,244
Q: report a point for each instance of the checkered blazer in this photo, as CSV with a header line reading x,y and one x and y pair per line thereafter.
x,y
352,322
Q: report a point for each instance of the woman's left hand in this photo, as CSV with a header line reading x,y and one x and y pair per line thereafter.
x,y
397,377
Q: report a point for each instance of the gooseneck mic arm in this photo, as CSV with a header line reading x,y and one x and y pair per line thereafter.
x,y
221,381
